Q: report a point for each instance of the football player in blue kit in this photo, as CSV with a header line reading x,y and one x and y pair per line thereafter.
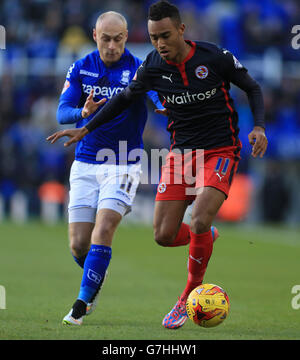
x,y
100,193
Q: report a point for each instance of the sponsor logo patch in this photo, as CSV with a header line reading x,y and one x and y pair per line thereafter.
x,y
105,91
187,98
95,277
88,73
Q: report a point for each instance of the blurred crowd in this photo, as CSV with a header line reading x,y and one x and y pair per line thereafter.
x,y
44,37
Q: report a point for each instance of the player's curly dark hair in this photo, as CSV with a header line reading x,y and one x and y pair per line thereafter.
x,y
163,9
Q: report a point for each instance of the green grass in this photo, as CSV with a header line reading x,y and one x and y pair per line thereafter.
x,y
257,266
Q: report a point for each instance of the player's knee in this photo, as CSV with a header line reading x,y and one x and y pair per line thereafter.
x,y
80,238
102,235
79,245
199,225
163,238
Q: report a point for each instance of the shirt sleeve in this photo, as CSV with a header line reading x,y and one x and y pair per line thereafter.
x,y
140,83
68,111
255,96
152,95
230,65
237,74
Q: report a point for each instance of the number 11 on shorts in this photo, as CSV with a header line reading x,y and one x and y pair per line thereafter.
x,y
126,183
225,166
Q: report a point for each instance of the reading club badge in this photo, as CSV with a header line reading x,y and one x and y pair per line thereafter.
x,y
201,72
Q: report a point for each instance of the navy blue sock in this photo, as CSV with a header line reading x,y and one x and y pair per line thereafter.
x,y
80,260
94,270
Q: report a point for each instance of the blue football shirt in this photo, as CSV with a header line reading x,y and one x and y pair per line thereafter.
x,y
90,73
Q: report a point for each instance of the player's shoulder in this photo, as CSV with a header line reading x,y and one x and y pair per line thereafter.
x,y
216,51
153,59
132,59
89,59
87,62
217,54
221,58
209,47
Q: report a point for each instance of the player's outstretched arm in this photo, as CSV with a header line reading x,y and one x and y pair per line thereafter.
x,y
112,108
73,134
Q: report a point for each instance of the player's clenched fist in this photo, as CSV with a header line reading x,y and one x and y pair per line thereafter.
x,y
259,141
75,135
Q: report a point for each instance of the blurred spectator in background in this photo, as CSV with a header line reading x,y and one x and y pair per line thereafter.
x,y
275,194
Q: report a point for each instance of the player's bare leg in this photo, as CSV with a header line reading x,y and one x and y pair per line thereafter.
x,y
107,221
95,266
80,240
204,211
169,230
206,206
168,216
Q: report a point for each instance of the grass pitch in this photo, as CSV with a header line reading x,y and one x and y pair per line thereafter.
x,y
257,266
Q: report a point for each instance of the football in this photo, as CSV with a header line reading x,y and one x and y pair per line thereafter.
x,y
207,305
